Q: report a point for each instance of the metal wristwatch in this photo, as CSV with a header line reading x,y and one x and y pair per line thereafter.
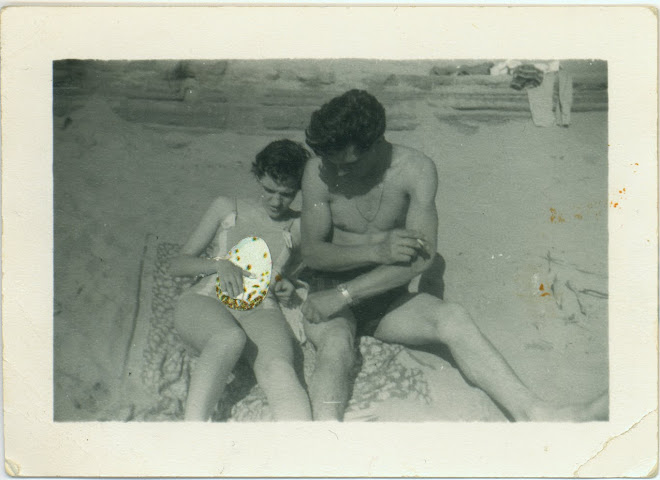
x,y
341,288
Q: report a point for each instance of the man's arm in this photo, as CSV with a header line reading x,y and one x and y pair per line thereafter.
x,y
316,225
422,216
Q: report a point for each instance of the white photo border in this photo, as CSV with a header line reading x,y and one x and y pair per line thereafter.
x,y
33,37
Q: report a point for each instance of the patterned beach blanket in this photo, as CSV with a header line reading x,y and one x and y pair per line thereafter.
x,y
392,382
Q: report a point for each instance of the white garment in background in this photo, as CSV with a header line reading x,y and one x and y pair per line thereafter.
x,y
548,67
505,68
542,100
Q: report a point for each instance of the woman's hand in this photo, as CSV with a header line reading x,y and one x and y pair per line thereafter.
x,y
284,291
231,277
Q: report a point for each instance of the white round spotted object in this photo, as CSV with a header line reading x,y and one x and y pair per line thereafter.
x,y
251,254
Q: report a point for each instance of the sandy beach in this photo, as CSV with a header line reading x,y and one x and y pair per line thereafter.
x,y
143,147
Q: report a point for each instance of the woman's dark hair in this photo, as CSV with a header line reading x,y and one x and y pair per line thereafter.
x,y
283,160
355,117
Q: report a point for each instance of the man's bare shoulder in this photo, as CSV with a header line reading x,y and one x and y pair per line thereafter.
x,y
313,165
312,180
412,165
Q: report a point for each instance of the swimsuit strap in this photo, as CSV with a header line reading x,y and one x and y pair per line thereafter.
x,y
227,223
236,208
286,232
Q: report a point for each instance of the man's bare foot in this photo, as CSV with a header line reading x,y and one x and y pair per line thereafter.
x,y
596,410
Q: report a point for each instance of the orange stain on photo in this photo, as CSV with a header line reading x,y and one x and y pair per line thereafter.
x,y
556,217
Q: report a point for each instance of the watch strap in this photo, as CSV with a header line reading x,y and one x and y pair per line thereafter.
x,y
341,288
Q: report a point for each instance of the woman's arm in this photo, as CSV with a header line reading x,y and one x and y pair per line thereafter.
x,y
290,262
188,262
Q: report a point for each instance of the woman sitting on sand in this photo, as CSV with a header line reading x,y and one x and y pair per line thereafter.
x,y
221,334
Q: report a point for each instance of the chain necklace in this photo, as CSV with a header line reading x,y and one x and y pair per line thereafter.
x,y
372,217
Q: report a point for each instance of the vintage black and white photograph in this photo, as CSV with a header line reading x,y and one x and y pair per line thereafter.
x,y
329,241
427,240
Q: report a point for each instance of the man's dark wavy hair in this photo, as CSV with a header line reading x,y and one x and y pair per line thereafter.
x,y
355,117
283,160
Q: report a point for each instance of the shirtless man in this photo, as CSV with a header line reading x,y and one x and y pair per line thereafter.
x,y
369,226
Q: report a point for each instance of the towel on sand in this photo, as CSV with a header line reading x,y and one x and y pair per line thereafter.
x,y
392,383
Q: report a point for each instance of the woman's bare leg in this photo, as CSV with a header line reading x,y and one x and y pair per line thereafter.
x,y
271,353
206,325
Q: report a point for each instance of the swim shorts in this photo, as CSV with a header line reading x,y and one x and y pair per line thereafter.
x,y
368,312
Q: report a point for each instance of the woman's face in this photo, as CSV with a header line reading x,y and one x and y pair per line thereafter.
x,y
276,197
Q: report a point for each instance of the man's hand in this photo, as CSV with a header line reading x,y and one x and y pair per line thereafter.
x,y
401,246
284,291
320,306
231,277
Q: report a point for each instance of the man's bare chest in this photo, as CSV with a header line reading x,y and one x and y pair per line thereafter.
x,y
382,208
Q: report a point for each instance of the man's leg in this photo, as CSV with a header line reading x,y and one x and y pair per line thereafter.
x,y
335,356
425,320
